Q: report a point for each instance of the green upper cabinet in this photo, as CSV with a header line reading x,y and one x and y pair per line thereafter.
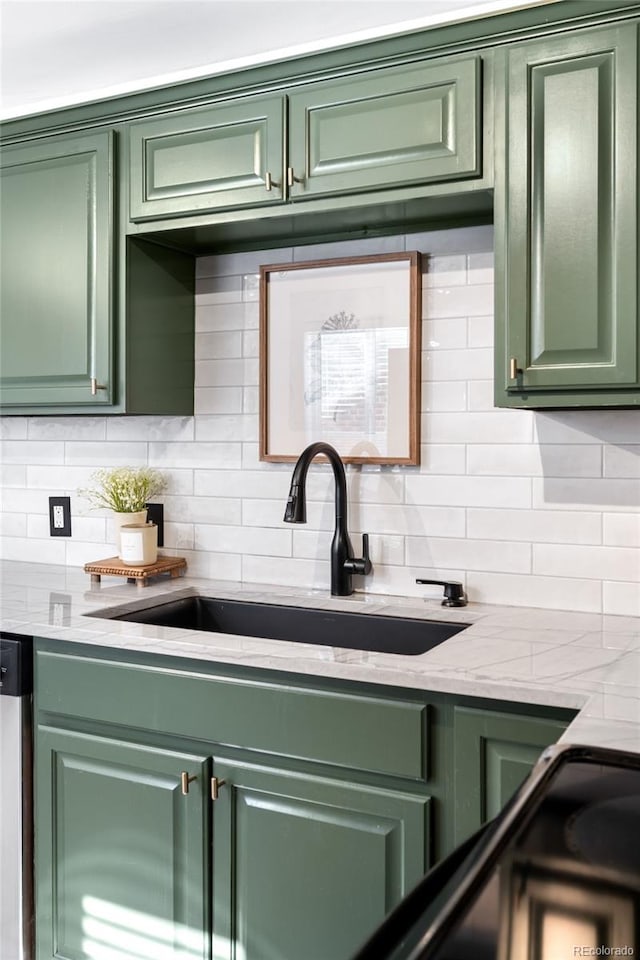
x,y
398,126
208,158
56,259
567,223
90,321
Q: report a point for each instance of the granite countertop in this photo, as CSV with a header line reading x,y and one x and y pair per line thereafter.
x,y
583,661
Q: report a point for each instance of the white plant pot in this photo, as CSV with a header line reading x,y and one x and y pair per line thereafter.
x,y
121,519
139,544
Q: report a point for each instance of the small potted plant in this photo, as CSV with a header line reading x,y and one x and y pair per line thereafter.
x,y
125,491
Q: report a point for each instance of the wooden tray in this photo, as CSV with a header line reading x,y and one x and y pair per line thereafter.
x,y
114,567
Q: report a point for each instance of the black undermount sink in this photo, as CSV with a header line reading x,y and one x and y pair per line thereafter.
x,y
299,624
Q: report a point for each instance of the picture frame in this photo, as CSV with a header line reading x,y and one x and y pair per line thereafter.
x,y
340,358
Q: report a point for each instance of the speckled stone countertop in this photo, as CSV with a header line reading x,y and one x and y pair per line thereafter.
x,y
584,661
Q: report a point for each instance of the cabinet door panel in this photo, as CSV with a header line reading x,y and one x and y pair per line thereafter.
x,y
207,158
494,753
571,213
306,866
56,290
121,853
403,125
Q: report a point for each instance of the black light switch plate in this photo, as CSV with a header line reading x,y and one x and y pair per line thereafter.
x,y
60,516
155,513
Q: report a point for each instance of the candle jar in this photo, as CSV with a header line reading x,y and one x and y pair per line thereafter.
x,y
139,544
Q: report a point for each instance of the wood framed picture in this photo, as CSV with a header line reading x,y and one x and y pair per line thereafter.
x,y
340,358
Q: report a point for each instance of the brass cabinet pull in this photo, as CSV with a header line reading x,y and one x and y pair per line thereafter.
x,y
215,787
185,780
95,386
291,177
514,369
269,182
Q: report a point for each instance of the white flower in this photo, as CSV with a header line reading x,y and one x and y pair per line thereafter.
x,y
124,489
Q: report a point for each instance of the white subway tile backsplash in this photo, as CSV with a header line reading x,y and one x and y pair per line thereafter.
x,y
97,455
480,395
13,525
527,460
220,316
67,428
215,400
493,555
12,475
200,454
33,451
457,364
458,301
621,599
528,508
445,271
535,526
469,491
30,550
123,429
213,290
622,530
575,493
13,428
500,426
260,541
219,345
480,268
597,563
587,426
443,396
522,590
623,461
480,331
226,428
444,334
203,510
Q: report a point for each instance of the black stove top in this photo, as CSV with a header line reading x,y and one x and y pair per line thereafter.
x,y
556,876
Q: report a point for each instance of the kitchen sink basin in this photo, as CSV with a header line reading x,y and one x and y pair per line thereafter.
x,y
299,624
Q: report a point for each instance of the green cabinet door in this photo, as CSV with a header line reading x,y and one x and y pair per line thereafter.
x,y
121,854
56,205
494,754
306,866
567,223
384,128
207,159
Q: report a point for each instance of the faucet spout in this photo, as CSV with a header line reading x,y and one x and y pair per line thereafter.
x,y
343,563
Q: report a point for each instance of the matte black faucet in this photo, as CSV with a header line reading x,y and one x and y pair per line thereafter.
x,y
343,563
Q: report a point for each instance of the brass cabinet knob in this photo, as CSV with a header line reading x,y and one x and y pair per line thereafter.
x,y
95,386
291,177
215,787
269,182
185,780
514,369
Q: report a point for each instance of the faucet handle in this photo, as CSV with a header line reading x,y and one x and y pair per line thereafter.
x,y
361,566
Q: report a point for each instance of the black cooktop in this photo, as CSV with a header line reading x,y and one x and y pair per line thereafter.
x,y
556,876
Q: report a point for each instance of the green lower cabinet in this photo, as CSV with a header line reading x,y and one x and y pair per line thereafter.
x,y
494,754
121,854
306,866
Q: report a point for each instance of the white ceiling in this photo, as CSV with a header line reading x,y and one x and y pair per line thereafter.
x,y
58,52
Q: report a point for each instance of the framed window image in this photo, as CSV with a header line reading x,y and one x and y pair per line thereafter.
x,y
340,358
